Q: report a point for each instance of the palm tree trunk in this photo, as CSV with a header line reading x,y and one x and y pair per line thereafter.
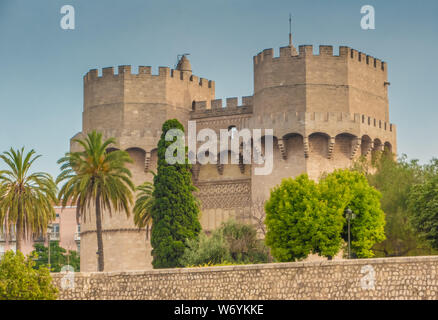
x,y
18,232
7,232
100,257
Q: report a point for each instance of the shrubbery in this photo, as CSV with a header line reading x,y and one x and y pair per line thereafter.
x,y
232,243
243,244
20,281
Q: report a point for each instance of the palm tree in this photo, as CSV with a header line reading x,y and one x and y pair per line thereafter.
x,y
26,199
96,177
143,205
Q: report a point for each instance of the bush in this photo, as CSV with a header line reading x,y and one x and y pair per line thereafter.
x,y
20,281
206,250
243,245
232,243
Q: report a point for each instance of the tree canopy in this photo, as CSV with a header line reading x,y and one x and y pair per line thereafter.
x,y
423,203
395,179
305,217
350,189
26,198
175,210
19,280
59,257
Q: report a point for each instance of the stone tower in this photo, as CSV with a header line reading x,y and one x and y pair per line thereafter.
x,y
325,110
132,108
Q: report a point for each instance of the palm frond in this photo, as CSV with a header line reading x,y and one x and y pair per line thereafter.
x,y
143,206
94,171
26,199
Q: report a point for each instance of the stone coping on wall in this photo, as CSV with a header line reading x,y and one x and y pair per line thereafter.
x,y
267,266
360,279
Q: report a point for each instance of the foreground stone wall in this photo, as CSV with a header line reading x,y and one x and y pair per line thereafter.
x,y
393,278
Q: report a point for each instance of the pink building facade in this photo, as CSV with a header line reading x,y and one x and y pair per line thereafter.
x,y
64,229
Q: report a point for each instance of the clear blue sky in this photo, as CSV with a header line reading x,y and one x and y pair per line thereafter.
x,y
42,65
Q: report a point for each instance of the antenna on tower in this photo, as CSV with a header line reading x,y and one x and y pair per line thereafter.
x,y
290,30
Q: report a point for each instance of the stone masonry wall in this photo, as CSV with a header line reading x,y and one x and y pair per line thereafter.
x,y
390,278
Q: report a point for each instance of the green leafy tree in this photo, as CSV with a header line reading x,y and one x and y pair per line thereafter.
x,y
59,257
19,280
299,222
26,199
305,217
175,210
395,179
143,206
346,188
74,259
96,178
423,203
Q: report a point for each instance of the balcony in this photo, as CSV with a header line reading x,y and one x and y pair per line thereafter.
x,y
54,236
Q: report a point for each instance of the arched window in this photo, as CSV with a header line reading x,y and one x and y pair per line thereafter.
x,y
193,105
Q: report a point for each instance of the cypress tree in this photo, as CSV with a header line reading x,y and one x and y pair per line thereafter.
x,y
175,210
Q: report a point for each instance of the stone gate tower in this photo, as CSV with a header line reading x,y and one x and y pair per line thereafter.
x,y
325,109
132,108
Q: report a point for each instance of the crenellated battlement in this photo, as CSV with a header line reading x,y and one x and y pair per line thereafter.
x,y
325,121
281,120
346,53
366,59
217,108
125,72
217,104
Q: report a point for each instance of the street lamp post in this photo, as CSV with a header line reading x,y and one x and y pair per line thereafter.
x,y
349,215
